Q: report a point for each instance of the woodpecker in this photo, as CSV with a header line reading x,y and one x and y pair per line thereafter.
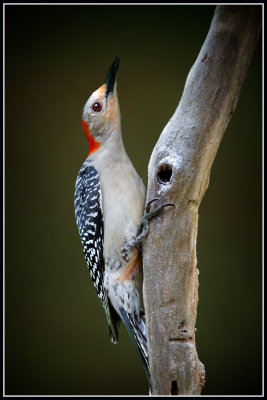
x,y
109,203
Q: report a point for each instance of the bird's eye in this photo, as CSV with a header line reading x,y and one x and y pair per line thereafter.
x,y
97,107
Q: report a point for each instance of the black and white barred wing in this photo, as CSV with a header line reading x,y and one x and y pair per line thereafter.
x,y
89,219
90,223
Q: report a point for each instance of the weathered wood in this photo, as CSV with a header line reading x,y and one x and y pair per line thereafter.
x,y
179,171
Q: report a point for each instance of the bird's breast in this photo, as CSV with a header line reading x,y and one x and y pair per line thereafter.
x,y
123,197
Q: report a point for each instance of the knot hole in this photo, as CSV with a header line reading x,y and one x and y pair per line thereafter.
x,y
164,174
174,388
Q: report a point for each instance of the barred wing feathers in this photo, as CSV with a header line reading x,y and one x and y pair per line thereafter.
x,y
90,223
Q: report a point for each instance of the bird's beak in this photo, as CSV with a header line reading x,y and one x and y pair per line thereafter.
x,y
112,76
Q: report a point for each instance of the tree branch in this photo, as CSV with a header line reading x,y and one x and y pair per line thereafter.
x,y
179,171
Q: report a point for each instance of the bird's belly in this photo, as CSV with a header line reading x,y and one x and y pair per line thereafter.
x,y
123,197
123,206
122,293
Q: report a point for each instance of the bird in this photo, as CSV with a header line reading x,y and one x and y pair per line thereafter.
x,y
109,203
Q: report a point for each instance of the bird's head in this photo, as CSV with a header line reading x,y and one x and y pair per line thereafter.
x,y
101,113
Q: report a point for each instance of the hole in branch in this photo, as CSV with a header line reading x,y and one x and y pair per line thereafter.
x,y
164,174
174,388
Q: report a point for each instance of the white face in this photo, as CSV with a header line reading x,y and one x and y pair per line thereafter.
x,y
101,114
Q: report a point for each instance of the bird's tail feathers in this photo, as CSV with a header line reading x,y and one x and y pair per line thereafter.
x,y
113,321
139,327
137,331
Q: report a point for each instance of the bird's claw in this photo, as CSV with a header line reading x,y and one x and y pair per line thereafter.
x,y
149,204
143,226
148,215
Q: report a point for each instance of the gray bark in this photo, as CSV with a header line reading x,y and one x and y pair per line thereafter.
x,y
178,173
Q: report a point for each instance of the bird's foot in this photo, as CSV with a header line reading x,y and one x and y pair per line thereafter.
x,y
143,226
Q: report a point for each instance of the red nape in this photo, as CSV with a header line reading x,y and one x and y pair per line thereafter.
x,y
94,145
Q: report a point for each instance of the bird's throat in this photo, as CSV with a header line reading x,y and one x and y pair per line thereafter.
x,y
94,145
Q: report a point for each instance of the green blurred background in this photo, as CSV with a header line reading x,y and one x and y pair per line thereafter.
x,y
56,335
